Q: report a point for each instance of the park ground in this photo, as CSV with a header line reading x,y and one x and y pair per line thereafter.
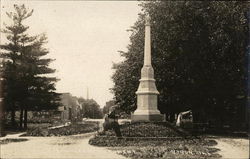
x,y
233,147
76,146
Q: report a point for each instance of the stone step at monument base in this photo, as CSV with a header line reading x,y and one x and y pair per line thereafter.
x,y
147,117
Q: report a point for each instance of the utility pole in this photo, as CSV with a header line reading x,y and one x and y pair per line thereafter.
x,y
2,116
248,74
87,97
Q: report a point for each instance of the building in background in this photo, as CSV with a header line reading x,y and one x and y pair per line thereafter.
x,y
70,108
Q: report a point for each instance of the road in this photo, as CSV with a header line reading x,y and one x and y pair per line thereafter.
x,y
75,146
235,148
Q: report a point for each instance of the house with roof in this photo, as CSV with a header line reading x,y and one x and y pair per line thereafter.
x,y
70,108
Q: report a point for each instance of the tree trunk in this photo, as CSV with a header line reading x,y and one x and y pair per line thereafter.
x,y
167,117
21,119
2,118
13,116
172,117
25,119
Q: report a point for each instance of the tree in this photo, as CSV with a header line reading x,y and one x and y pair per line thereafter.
x,y
107,106
90,108
28,87
198,55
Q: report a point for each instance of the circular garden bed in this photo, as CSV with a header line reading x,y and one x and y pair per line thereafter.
x,y
155,140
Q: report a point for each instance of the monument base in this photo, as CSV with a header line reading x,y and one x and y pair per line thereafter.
x,y
146,117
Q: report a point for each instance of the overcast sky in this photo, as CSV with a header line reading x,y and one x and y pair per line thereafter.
x,y
83,37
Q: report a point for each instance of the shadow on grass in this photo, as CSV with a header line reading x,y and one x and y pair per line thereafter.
x,y
6,141
214,152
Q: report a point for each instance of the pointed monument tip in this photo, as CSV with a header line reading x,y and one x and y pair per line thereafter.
x,y
147,19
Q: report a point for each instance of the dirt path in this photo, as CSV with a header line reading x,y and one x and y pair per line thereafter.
x,y
233,148
55,147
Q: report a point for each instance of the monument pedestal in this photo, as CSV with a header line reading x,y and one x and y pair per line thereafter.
x,y
147,98
147,116
147,102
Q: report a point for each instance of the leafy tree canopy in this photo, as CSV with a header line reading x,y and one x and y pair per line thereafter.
x,y
198,54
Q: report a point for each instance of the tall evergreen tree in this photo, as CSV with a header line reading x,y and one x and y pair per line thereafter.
x,y
28,87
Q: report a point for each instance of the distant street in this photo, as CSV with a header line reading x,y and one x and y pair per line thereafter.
x,y
102,120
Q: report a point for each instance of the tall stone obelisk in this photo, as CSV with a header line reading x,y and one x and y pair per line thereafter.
x,y
147,93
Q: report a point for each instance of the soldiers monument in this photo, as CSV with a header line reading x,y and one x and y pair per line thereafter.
x,y
147,93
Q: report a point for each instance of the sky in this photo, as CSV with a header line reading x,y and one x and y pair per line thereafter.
x,y
84,38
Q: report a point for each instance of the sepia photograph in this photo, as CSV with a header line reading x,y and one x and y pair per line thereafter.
x,y
117,79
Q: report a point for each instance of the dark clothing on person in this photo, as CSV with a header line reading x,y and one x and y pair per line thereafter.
x,y
112,115
111,122
115,126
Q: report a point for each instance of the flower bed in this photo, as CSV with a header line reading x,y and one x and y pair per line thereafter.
x,y
134,134
158,147
147,129
72,129
173,150
9,140
155,140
